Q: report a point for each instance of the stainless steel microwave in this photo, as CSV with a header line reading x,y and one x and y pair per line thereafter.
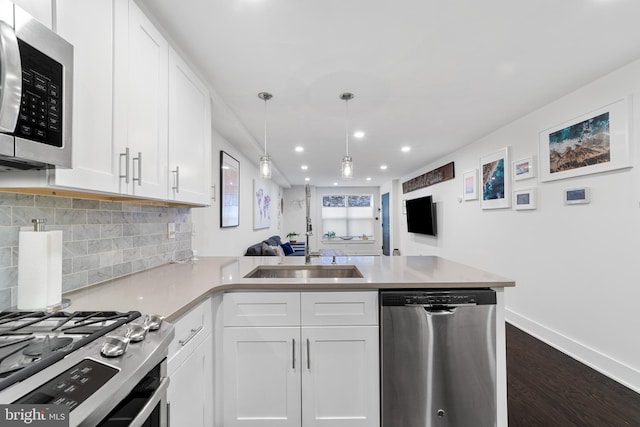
x,y
36,82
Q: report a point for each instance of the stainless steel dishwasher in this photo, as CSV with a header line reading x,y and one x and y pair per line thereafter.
x,y
438,358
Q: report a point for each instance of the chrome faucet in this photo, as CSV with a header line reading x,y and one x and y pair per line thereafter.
x,y
307,193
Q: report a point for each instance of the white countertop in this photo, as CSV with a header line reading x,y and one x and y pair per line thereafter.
x,y
172,289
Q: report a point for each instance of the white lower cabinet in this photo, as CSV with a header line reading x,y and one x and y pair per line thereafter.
x,y
340,376
190,394
190,369
323,374
262,376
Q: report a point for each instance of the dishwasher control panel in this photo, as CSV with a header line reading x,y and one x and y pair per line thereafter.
x,y
438,297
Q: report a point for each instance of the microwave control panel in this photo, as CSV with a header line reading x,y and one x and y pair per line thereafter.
x,y
40,117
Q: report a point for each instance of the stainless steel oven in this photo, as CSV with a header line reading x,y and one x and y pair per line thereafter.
x,y
36,81
108,369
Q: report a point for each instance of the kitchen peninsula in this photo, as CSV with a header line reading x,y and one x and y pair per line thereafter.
x,y
192,295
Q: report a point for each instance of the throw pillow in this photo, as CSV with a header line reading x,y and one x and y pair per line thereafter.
x,y
286,247
267,251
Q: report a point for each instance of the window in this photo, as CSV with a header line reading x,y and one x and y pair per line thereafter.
x,y
347,216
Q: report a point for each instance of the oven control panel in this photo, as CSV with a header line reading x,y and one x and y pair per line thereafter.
x,y
73,386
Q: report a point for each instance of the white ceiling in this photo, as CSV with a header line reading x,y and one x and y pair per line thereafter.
x,y
432,75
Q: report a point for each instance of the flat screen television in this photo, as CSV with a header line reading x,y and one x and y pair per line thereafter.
x,y
421,216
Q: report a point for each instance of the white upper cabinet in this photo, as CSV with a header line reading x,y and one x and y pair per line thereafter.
x,y
141,100
39,9
189,135
89,27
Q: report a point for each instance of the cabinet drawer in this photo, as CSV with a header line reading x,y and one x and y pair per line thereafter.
x,y
261,309
190,330
339,308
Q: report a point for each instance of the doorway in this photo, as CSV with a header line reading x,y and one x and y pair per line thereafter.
x,y
386,236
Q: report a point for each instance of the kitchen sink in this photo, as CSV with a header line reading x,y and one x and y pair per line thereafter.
x,y
303,272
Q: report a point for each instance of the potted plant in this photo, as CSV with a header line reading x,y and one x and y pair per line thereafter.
x,y
292,236
330,235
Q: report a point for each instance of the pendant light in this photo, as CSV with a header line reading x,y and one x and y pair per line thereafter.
x,y
265,160
347,161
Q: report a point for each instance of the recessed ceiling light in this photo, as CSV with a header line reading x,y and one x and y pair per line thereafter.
x,y
307,179
304,167
406,149
383,167
358,134
335,183
299,149
368,178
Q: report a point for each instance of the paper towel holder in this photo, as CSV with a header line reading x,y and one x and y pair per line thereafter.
x,y
38,224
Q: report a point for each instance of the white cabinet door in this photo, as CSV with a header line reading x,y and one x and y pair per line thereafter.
x,y
340,376
189,135
262,376
141,99
89,27
190,393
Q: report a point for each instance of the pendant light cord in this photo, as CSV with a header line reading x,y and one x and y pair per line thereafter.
x,y
265,126
347,124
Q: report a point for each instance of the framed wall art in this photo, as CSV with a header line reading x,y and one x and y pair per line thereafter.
x,y
470,184
496,180
261,205
524,199
229,191
597,141
524,169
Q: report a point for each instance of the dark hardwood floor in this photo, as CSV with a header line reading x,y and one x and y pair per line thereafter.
x,y
547,388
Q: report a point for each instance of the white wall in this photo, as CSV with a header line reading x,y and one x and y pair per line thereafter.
x,y
574,266
208,238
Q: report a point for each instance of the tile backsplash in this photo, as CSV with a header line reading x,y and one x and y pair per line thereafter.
x,y
101,239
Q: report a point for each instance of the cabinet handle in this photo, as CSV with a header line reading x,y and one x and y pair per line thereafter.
x,y
176,187
126,165
308,356
139,159
193,333
293,353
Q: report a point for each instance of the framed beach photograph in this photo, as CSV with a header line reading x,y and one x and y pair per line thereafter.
x,y
524,199
495,185
524,169
594,142
229,191
261,204
470,184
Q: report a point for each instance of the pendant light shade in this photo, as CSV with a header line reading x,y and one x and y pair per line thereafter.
x,y
265,160
347,161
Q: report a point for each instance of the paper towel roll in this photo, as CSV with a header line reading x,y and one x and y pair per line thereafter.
x,y
33,270
54,255
39,269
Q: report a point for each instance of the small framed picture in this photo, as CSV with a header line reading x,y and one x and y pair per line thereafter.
x,y
577,196
524,169
524,199
470,184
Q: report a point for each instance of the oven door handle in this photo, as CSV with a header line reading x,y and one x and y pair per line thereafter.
x,y
10,78
158,396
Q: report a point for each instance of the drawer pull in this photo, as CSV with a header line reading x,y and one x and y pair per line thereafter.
x,y
294,353
193,333
308,356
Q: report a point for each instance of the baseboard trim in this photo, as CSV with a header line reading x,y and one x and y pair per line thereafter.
x,y
617,371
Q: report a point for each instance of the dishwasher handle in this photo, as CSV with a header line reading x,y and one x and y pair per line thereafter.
x,y
440,306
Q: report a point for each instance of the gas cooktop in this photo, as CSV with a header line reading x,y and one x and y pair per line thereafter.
x,y
32,341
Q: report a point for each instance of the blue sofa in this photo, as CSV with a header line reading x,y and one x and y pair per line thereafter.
x,y
264,248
